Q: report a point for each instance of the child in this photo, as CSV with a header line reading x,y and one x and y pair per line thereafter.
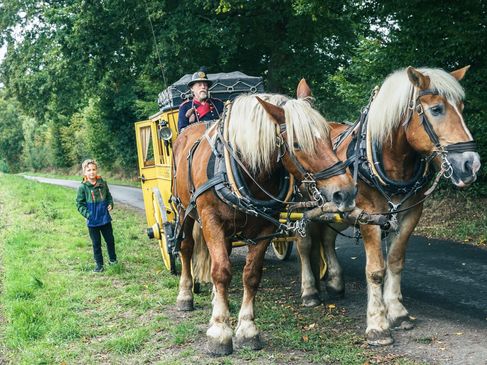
x,y
94,202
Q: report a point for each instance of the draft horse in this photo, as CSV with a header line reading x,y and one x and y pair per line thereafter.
x,y
270,136
414,128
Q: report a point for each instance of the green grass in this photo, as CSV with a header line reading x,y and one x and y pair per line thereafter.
x,y
56,310
455,215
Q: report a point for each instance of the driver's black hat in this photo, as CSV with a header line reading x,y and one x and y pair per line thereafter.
x,y
200,76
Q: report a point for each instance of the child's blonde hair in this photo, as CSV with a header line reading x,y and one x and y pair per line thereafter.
x,y
87,162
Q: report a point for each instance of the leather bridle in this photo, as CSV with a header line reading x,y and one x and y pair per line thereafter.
x,y
439,149
309,179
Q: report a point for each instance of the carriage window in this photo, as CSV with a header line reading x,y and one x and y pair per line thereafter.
x,y
147,148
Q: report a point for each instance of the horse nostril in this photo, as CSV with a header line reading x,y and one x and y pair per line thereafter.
x,y
467,166
340,197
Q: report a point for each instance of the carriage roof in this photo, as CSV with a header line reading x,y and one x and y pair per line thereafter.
x,y
226,86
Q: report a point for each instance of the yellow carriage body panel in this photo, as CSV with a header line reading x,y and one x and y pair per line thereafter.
x,y
155,161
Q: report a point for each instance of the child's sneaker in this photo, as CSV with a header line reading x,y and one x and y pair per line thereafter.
x,y
113,262
98,268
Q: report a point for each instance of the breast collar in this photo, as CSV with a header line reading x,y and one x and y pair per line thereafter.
x,y
371,169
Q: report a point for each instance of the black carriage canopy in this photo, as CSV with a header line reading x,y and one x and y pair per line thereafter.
x,y
226,86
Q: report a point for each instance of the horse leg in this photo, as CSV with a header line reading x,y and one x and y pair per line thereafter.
x,y
397,314
308,250
184,301
377,332
335,285
219,334
247,333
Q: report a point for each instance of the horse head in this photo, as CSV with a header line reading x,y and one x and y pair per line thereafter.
x,y
307,151
437,125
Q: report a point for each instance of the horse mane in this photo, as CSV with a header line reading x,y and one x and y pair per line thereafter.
x,y
391,103
254,135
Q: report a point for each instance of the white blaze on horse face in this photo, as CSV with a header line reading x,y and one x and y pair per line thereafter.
x,y
467,131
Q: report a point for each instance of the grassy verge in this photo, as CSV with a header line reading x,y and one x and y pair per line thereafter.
x,y
455,215
55,310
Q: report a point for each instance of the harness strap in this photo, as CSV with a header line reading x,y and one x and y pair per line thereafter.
x,y
338,168
215,180
461,147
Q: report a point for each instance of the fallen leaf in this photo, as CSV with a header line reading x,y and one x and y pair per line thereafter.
x,y
305,338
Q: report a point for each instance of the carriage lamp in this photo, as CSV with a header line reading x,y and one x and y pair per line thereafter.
x,y
165,133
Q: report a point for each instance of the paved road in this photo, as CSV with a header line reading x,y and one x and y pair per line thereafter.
x,y
122,194
440,273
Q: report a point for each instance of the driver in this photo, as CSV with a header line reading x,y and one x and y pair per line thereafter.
x,y
201,107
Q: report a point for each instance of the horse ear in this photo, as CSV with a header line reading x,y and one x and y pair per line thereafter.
x,y
460,73
276,112
417,78
303,90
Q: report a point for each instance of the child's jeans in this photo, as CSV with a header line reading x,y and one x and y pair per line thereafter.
x,y
95,234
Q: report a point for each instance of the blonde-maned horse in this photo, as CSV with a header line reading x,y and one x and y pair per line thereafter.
x,y
271,135
415,127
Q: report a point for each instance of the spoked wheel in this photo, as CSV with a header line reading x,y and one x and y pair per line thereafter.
x,y
282,248
161,232
323,264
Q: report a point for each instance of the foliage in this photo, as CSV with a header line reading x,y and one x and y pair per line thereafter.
x,y
89,70
11,136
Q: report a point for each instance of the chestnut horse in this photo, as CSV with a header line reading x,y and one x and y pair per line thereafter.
x,y
270,135
414,126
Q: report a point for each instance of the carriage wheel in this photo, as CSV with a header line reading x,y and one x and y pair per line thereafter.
x,y
167,256
323,264
282,249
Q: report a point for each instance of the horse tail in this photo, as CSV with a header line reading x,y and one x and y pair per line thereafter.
x,y
201,257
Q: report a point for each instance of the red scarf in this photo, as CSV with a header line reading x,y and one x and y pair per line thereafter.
x,y
202,109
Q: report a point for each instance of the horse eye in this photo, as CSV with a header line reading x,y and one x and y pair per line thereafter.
x,y
297,146
436,110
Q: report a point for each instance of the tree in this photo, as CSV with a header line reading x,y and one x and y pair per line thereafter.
x,y
11,135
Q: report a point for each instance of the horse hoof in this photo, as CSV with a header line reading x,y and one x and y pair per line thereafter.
x,y
379,338
334,293
216,348
253,343
185,305
402,323
311,300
